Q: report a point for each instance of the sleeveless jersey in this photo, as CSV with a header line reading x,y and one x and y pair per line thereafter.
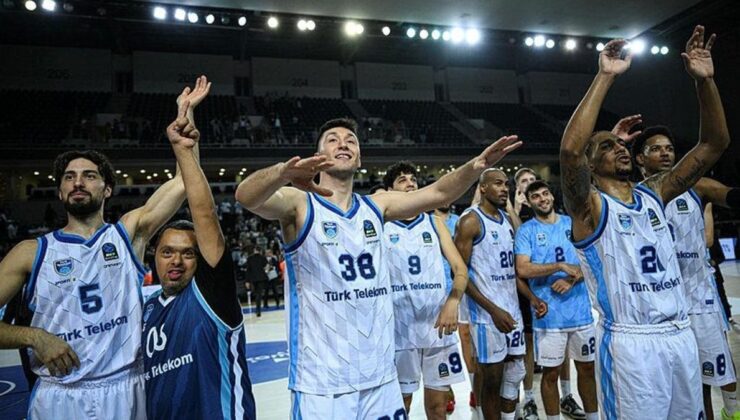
x,y
451,224
416,269
340,306
491,267
546,243
195,365
88,293
629,263
685,216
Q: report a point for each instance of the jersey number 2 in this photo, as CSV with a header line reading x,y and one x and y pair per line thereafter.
x,y
89,300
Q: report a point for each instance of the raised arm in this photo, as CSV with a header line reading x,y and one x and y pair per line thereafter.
x,y
52,351
580,198
717,193
714,137
708,225
402,205
447,319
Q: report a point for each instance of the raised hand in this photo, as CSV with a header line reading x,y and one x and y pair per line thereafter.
x,y
55,354
623,127
182,131
301,173
611,61
197,94
698,58
496,152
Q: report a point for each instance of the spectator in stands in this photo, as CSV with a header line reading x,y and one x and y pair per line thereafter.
x,y
273,277
257,276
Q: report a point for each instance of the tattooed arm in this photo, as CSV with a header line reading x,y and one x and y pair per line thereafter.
x,y
714,137
580,198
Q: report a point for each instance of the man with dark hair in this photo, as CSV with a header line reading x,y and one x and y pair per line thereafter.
x,y
626,250
341,328
346,123
81,291
653,154
256,275
546,257
193,333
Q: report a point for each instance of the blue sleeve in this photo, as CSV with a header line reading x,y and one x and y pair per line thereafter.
x,y
522,243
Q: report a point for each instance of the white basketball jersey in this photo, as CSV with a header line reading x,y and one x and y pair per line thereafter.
x,y
685,216
491,267
88,293
629,263
340,306
417,273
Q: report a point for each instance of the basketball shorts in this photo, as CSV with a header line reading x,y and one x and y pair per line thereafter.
x,y
552,346
492,346
648,372
463,316
440,367
120,396
382,402
715,358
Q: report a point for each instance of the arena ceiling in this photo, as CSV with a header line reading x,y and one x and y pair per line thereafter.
x,y
597,18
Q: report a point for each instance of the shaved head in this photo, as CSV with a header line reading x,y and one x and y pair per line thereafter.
x,y
490,174
597,138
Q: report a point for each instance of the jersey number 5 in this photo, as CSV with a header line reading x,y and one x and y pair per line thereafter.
x,y
89,300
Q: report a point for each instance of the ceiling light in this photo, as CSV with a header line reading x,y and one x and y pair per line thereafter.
x,y
637,46
472,36
539,40
529,41
302,25
664,50
30,5
550,43
457,35
386,30
600,46
192,17
310,25
570,44
242,21
180,14
446,36
272,22
160,13
654,50
436,34
210,19
49,5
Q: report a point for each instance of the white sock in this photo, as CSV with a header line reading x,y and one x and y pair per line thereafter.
x,y
518,410
471,376
528,395
564,388
730,400
592,416
555,417
479,410
508,416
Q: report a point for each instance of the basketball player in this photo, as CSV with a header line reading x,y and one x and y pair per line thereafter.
x,y
81,286
416,250
626,250
340,305
653,153
193,335
485,239
546,257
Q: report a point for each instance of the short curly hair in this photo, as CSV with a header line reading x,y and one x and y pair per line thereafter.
x,y
395,170
104,166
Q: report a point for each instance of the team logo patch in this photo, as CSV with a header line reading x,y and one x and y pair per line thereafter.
x,y
63,267
541,239
148,311
707,369
109,252
426,237
444,371
494,234
654,220
682,205
330,229
585,350
568,234
625,220
394,238
369,229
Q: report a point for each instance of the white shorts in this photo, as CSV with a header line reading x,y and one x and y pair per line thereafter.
x,y
715,358
463,313
551,346
648,372
440,367
383,402
118,397
492,346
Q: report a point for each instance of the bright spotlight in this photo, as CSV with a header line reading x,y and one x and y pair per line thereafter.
x,y
570,44
386,30
550,43
30,5
410,32
637,46
529,41
49,5
600,46
68,7
446,35
423,34
457,35
310,25
302,25
242,21
654,50
359,29
353,28
539,41
192,17
472,36
272,22
160,13
210,19
180,14
664,50
436,34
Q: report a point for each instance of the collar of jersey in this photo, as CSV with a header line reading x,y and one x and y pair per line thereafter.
x,y
487,216
637,198
409,225
333,207
71,238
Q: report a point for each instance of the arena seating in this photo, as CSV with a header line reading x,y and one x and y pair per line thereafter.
x,y
512,118
419,118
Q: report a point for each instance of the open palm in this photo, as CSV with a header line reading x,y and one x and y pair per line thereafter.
x,y
611,61
196,95
698,57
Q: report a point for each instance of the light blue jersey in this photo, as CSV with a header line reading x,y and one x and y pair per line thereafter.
x,y
451,224
546,243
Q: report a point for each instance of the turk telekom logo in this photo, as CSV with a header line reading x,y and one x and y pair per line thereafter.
x,y
155,340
